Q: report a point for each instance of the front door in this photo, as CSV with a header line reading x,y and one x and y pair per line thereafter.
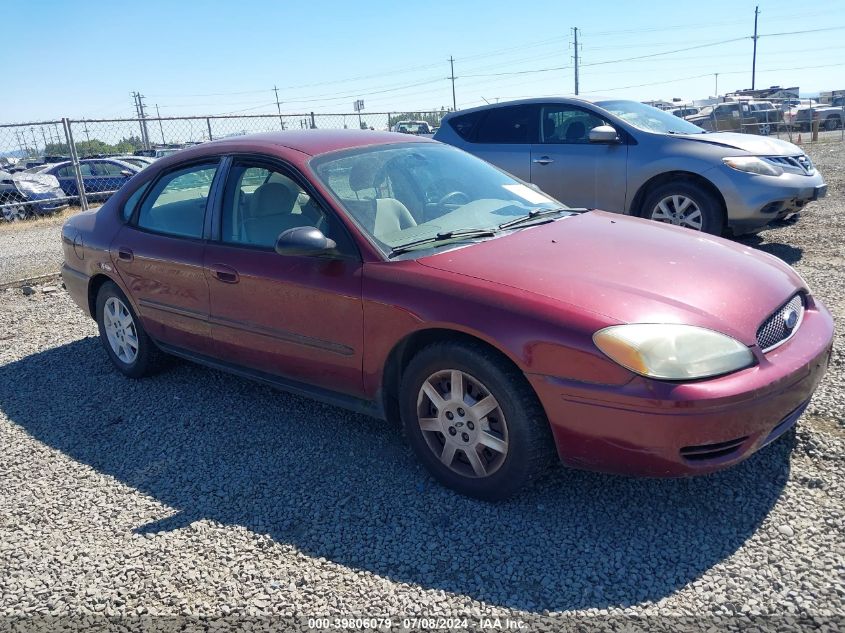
x,y
159,257
298,317
567,166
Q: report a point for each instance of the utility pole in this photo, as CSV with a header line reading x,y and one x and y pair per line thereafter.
x,y
575,32
279,107
87,138
452,77
139,110
754,59
716,94
160,126
34,140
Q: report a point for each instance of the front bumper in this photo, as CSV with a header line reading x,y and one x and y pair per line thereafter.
x,y
663,429
753,201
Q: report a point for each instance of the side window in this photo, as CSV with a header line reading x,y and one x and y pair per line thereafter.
x,y
260,203
465,124
176,203
132,201
512,124
107,169
568,125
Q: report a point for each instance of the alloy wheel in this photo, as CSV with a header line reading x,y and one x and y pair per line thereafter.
x,y
120,330
462,423
679,210
14,213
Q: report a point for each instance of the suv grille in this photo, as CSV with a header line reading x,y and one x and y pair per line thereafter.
x,y
781,325
800,164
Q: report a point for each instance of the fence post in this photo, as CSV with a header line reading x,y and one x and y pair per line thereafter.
x,y
74,157
208,123
313,124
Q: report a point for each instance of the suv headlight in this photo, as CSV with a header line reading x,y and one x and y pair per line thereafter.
x,y
752,165
672,352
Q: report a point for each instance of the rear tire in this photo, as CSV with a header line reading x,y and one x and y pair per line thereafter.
x,y
687,204
488,440
126,342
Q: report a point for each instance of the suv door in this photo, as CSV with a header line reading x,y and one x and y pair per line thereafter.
x,y
566,165
159,256
299,317
503,136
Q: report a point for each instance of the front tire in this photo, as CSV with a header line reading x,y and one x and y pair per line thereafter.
x,y
123,337
473,420
685,204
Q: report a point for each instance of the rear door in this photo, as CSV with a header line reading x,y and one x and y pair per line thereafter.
x,y
159,256
566,165
299,317
504,137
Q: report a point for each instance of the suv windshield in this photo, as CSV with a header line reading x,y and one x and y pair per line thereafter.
x,y
410,192
648,118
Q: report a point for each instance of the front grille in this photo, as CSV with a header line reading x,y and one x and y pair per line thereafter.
x,y
779,327
704,452
800,164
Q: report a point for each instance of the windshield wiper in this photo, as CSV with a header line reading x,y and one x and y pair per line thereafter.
x,y
537,213
441,237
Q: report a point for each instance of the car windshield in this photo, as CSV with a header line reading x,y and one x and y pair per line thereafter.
x,y
410,192
648,118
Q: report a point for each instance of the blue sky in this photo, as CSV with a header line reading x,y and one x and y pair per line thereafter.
x,y
85,58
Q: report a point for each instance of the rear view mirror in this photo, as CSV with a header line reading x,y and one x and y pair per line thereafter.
x,y
126,173
603,134
303,240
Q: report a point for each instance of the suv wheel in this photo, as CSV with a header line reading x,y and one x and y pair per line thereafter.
x,y
122,335
473,421
685,204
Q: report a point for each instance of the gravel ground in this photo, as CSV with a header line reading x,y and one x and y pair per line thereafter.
x,y
29,250
210,499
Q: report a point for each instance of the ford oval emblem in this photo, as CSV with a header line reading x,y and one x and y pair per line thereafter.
x,y
790,319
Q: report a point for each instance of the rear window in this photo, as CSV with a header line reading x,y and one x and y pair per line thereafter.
x,y
465,124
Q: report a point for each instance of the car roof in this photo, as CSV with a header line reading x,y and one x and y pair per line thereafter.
x,y
571,99
310,142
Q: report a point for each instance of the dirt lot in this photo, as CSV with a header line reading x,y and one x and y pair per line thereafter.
x,y
208,499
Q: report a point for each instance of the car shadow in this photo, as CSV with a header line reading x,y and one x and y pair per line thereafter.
x,y
346,488
787,252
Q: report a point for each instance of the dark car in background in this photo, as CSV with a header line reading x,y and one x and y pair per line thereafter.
x,y
100,176
24,195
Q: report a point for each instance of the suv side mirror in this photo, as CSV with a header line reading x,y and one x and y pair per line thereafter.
x,y
303,240
603,134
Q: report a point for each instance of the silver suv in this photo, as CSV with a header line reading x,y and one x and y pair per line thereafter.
x,y
628,157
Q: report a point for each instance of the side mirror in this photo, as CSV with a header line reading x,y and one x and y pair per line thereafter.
x,y
303,240
603,134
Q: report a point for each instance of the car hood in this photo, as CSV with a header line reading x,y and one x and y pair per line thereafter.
x,y
634,271
750,143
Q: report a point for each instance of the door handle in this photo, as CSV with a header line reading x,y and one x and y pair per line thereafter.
x,y
125,254
225,273
545,160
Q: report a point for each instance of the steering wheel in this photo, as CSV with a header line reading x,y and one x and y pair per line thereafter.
x,y
454,199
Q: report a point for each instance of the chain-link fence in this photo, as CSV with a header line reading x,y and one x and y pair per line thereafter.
x,y
792,119
50,165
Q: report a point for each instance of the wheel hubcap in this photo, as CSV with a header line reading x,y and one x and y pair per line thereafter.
x,y
462,423
678,210
120,330
11,214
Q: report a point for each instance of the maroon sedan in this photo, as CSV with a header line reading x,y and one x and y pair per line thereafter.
x,y
403,278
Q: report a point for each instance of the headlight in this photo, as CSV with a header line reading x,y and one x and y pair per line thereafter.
x,y
672,352
752,165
